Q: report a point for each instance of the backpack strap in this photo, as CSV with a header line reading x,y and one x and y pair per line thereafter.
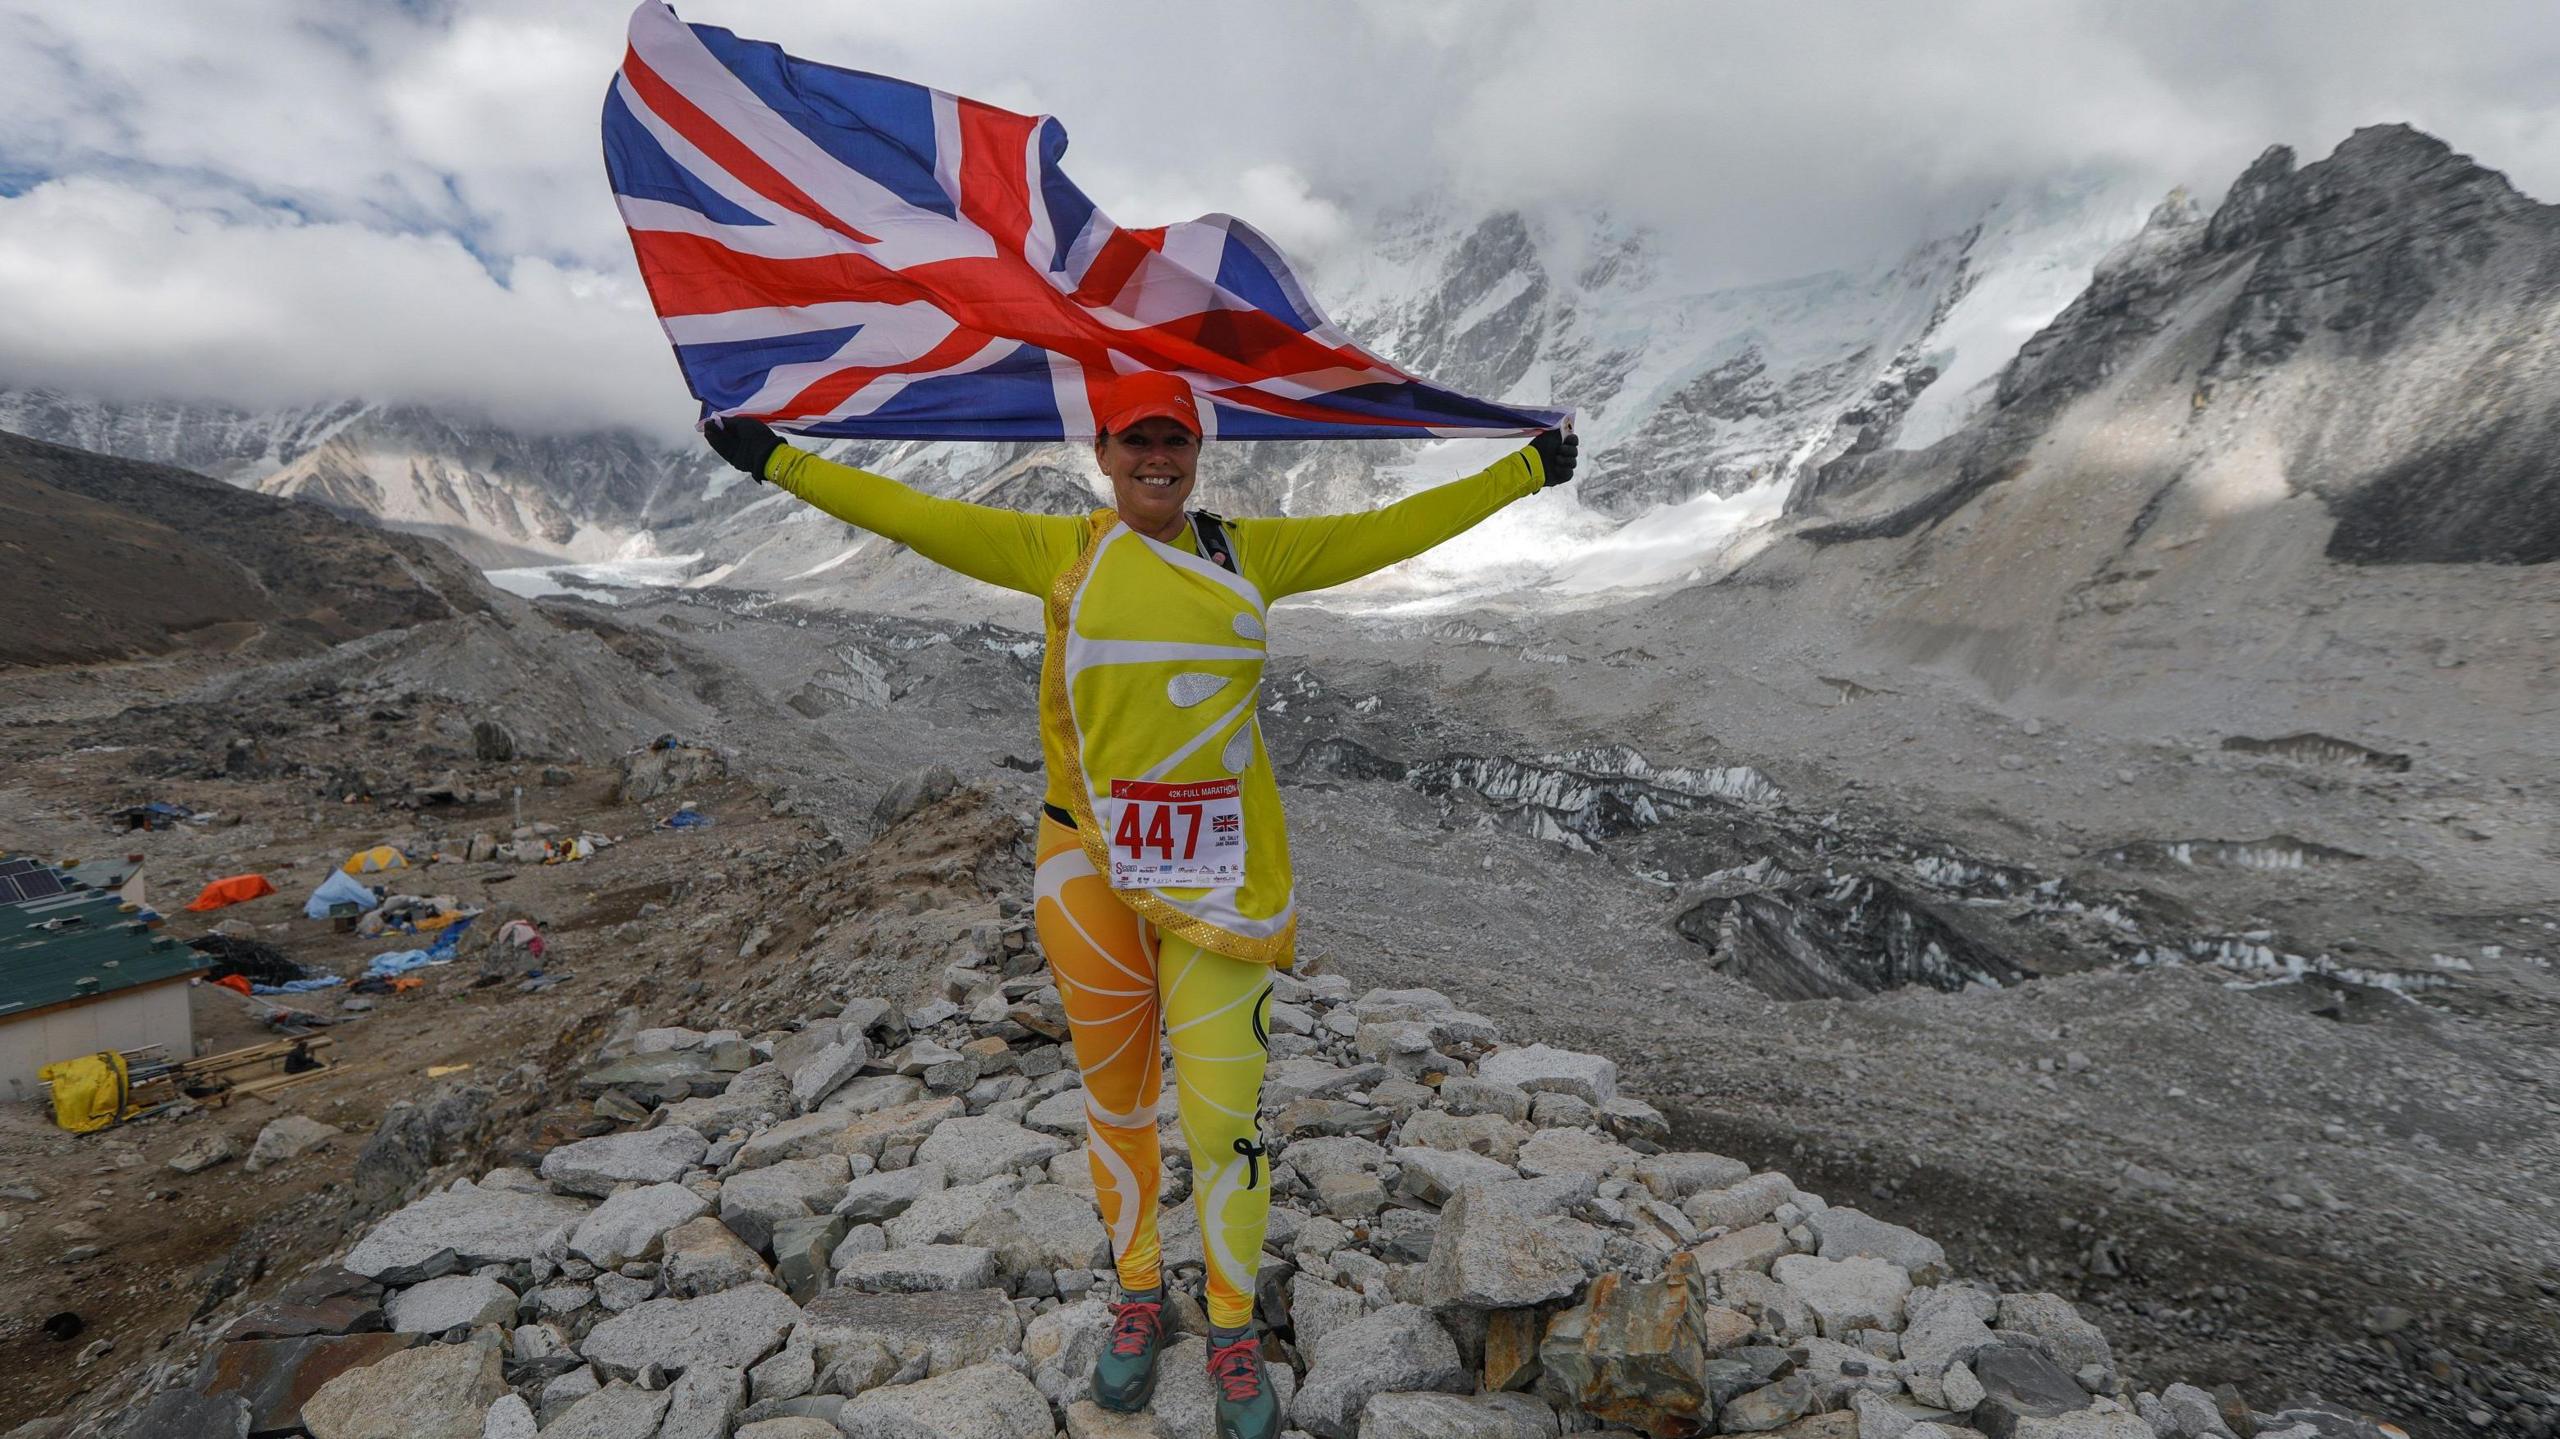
x,y
1210,533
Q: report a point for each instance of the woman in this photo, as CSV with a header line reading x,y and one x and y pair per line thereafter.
x,y
1163,894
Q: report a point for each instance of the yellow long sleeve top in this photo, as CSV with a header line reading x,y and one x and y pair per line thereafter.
x,y
1026,552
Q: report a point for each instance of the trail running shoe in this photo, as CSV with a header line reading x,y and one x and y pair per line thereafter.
x,y
1124,1378
1247,1409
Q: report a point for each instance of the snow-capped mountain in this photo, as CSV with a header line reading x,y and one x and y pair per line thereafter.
x,y
1683,392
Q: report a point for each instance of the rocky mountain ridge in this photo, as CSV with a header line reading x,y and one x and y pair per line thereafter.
x,y
1683,390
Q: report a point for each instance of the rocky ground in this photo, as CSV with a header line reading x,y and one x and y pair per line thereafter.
x,y
2316,1187
878,1222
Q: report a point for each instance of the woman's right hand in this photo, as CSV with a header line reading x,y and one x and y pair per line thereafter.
x,y
1557,451
745,444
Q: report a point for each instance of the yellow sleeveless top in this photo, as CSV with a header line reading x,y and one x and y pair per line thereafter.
x,y
1156,675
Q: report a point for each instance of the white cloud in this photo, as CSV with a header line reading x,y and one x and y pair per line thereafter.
x,y
111,290
293,199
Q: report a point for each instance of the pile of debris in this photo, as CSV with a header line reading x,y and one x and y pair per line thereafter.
x,y
881,1224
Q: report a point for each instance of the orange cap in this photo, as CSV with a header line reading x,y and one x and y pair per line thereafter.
x,y
1127,399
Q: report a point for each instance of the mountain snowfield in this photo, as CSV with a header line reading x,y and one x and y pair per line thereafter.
x,y
1699,407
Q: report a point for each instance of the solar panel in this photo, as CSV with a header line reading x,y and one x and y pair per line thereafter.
x,y
9,890
17,866
39,884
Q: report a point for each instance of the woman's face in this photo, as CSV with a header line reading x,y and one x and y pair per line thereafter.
x,y
1151,466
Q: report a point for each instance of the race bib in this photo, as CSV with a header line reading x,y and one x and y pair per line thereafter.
x,y
1176,836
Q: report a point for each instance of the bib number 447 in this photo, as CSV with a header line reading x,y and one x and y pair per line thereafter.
x,y
1176,836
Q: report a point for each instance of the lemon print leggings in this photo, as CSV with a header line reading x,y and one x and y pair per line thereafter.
x,y
1124,982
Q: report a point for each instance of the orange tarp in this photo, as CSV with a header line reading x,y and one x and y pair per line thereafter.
x,y
231,891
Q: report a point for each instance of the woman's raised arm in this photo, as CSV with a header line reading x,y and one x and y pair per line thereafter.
x,y
1292,556
1007,548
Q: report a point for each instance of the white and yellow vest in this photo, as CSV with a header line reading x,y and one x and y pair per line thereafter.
x,y
1155,673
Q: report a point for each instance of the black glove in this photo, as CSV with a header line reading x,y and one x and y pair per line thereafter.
x,y
745,444
1557,450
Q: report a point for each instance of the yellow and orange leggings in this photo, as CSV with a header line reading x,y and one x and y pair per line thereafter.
x,y
1124,982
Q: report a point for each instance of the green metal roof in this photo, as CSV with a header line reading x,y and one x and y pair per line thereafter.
x,y
71,946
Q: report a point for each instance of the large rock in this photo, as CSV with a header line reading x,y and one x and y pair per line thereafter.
x,y
704,1402
1942,1327
1287,1081
823,1073
754,1098
1490,1135
464,1300
1061,1114
946,1331
1063,1344
1317,1309
171,1414
617,1411
753,1202
461,1228
1042,1228
1636,1352
1845,1294
1591,1078
920,1269
509,1418
1317,1160
661,1078
601,1165
2076,1342
982,1146
1754,1248
290,1136
1848,1233
703,1257
1573,1151
2020,1385
1676,1176
1456,1416
1508,1244
877,1197
666,767
1434,1176
801,1138
1747,1202
944,1215
438,1391
735,1327
871,1093
634,1223
910,1122
1398,1348
276,1377
804,1252
984,1401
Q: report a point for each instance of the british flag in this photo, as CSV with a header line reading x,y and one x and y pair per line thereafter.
x,y
845,254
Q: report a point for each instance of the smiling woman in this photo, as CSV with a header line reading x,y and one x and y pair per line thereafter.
x,y
1163,893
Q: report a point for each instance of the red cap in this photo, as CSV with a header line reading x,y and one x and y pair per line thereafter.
x,y
1127,399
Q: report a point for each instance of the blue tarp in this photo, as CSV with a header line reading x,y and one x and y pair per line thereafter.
x,y
401,961
339,888
297,986
685,819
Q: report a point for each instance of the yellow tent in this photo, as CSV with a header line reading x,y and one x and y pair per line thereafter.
x,y
89,1093
369,861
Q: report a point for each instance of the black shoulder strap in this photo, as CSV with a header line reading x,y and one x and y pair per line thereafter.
x,y
1210,532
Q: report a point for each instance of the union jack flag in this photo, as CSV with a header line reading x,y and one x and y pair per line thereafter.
x,y
844,254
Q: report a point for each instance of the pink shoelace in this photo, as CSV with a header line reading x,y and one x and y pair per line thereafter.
x,y
1134,1326
1237,1369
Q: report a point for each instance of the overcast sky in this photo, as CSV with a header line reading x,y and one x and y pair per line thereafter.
x,y
272,201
